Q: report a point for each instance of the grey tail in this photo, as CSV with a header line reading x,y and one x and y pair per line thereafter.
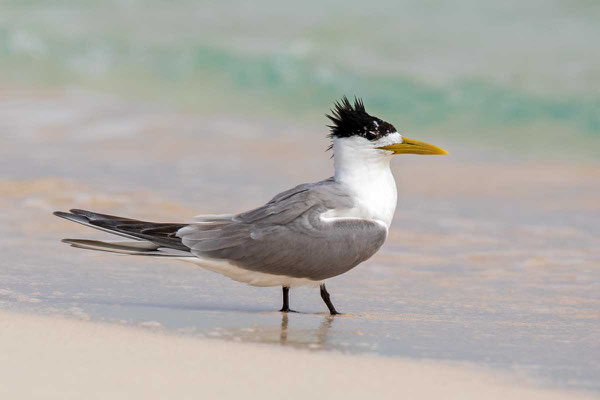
x,y
150,238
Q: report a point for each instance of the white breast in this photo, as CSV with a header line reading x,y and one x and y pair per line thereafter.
x,y
366,173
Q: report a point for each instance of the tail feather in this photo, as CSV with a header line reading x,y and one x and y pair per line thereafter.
x,y
140,248
163,235
85,221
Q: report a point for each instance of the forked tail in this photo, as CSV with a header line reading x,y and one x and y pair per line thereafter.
x,y
149,238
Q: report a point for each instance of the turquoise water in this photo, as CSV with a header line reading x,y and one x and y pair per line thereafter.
x,y
526,72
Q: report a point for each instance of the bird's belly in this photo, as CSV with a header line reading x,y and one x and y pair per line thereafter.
x,y
253,278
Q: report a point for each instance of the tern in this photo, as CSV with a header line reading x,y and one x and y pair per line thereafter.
x,y
303,236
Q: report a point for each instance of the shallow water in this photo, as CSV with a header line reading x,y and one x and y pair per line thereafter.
x,y
490,258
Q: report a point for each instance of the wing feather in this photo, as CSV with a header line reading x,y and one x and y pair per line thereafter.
x,y
287,236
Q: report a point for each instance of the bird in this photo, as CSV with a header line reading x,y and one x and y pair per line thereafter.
x,y
302,236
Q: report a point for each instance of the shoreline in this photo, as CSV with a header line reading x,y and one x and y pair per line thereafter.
x,y
56,357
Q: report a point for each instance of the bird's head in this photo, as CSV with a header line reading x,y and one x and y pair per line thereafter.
x,y
354,127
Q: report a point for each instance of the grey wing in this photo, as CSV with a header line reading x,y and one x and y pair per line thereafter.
x,y
287,235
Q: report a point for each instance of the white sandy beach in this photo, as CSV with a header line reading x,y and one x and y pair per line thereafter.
x,y
58,358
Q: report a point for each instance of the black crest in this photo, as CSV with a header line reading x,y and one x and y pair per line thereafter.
x,y
354,120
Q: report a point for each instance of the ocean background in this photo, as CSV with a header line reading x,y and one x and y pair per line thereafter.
x,y
162,110
519,75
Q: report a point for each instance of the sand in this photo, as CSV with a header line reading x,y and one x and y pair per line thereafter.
x,y
59,358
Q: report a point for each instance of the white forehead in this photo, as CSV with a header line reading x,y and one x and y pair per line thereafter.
x,y
388,139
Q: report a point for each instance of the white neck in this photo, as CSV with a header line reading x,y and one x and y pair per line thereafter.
x,y
366,173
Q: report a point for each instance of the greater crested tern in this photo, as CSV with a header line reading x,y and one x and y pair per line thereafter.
x,y
303,236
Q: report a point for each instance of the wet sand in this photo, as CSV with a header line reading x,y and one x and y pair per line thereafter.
x,y
491,259
69,359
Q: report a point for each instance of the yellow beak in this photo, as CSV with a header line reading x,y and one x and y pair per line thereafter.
x,y
411,146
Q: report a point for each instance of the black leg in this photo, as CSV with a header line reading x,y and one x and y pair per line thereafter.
x,y
286,300
327,300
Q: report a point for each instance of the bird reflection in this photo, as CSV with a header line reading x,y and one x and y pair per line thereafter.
x,y
317,338
284,329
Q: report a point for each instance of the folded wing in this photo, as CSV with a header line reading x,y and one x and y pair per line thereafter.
x,y
287,236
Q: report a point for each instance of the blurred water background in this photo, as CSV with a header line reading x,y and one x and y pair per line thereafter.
x,y
520,74
166,109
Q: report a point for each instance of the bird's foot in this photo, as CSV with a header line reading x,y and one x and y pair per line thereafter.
x,y
287,310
